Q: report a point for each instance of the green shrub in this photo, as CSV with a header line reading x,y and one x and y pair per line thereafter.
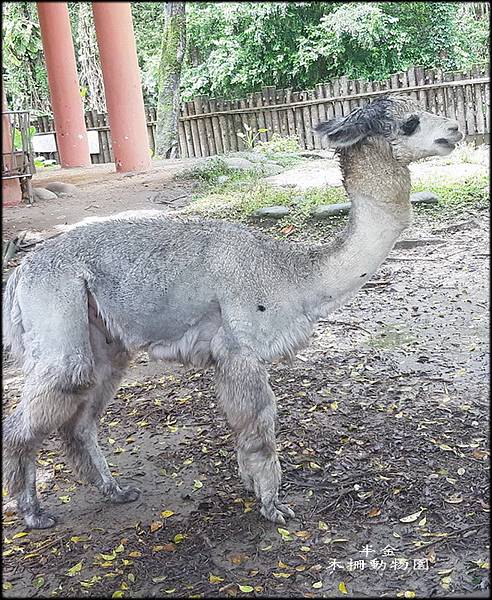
x,y
207,171
279,143
467,192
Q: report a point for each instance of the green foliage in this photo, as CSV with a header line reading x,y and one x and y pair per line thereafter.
x,y
45,163
18,137
234,48
237,48
148,24
279,143
454,195
250,136
24,72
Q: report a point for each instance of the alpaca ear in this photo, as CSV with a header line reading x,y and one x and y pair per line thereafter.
x,y
342,132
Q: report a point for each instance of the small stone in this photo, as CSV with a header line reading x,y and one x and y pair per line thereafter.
x,y
40,193
316,154
270,168
238,164
58,187
424,198
221,179
254,157
329,210
271,212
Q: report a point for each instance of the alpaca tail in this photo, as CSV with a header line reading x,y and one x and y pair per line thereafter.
x,y
53,310
12,318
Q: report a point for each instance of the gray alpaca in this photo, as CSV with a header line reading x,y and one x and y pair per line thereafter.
x,y
200,292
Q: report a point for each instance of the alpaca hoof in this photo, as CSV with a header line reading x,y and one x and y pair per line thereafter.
x,y
124,495
248,483
40,520
276,512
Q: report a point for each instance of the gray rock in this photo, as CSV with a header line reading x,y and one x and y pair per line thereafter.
x,y
415,243
58,187
239,164
270,168
271,212
317,154
424,198
40,193
222,179
254,157
329,210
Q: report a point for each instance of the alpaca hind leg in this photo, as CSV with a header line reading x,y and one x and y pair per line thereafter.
x,y
80,435
59,367
250,407
80,438
38,414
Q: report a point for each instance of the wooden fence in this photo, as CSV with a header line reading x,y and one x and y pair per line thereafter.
x,y
209,126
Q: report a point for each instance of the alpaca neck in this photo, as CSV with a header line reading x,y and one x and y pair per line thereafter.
x,y
379,190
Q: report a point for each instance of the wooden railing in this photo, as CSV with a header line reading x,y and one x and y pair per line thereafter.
x,y
210,126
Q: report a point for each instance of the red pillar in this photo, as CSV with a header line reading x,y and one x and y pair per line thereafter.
x,y
116,41
66,102
11,189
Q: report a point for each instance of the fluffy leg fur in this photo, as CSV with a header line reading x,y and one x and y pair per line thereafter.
x,y
39,413
250,407
80,434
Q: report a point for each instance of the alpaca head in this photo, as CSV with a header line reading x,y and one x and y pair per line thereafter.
x,y
410,132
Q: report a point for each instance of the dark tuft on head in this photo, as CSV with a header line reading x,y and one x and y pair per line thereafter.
x,y
375,118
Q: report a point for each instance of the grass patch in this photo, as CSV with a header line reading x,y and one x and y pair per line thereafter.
x,y
467,153
239,199
207,171
456,196
285,159
244,192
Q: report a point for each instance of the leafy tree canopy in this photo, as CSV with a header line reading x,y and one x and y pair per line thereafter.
x,y
234,48
237,48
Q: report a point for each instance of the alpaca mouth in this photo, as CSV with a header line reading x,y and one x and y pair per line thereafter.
x,y
447,143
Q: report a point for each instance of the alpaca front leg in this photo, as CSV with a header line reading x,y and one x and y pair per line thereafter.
x,y
250,407
260,470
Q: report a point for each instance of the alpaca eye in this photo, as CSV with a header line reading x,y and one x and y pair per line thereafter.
x,y
410,125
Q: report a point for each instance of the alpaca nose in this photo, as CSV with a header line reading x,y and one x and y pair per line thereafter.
x,y
453,127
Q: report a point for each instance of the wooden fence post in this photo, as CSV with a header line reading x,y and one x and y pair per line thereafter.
x,y
209,126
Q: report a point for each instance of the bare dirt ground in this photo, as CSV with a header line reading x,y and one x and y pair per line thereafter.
x,y
102,192
382,434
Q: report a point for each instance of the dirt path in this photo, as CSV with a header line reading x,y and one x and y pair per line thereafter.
x,y
101,192
382,434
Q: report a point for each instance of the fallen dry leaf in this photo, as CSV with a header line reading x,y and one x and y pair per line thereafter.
x,y
75,569
155,526
413,517
288,229
342,587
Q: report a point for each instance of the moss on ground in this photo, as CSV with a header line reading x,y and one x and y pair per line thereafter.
x,y
238,195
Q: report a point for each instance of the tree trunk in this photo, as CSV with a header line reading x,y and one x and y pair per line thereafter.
x,y
172,54
91,79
